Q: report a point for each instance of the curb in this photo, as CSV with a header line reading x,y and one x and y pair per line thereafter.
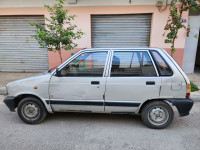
x,y
3,91
195,96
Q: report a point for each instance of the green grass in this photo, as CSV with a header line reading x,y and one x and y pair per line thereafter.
x,y
194,87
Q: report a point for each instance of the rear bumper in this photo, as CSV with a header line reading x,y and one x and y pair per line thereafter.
x,y
183,105
9,101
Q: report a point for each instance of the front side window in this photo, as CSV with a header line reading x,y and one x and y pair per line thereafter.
x,y
132,64
163,67
87,64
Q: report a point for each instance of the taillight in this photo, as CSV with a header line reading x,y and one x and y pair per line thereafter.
x,y
188,90
187,95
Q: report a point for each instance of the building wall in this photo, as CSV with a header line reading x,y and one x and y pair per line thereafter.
x,y
40,3
83,21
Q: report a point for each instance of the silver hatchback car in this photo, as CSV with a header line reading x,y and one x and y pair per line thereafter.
x,y
144,81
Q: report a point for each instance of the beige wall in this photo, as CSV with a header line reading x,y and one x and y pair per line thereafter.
x,y
83,21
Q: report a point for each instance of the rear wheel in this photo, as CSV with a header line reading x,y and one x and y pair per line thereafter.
x,y
31,110
157,114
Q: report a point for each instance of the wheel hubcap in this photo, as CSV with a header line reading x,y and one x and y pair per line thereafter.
x,y
30,111
158,115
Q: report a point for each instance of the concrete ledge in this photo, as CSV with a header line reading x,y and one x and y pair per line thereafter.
x,y
3,91
195,96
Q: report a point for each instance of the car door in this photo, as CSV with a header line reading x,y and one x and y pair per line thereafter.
x,y
81,85
133,79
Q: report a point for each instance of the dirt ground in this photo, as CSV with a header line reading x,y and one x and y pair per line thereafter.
x,y
83,131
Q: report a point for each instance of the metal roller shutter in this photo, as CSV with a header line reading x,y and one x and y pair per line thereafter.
x,y
19,52
121,31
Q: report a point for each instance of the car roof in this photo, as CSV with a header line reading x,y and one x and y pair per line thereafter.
x,y
116,49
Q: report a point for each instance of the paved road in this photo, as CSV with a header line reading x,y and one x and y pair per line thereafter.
x,y
76,131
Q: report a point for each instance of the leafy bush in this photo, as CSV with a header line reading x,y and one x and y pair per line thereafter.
x,y
194,87
58,32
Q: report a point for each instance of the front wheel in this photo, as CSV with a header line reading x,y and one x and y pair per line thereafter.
x,y
157,114
31,110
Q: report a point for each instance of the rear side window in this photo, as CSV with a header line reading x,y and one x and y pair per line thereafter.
x,y
162,66
132,64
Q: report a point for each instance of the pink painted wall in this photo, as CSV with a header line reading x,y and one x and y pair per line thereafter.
x,y
54,58
83,21
178,55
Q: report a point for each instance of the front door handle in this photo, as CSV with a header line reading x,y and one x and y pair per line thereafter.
x,y
95,82
150,83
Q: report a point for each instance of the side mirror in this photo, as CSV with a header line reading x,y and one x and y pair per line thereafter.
x,y
58,72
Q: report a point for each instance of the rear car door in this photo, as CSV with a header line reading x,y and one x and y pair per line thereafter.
x,y
132,80
81,86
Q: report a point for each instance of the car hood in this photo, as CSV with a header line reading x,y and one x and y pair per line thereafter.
x,y
32,79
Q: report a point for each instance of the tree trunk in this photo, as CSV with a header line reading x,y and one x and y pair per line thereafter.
x,y
59,52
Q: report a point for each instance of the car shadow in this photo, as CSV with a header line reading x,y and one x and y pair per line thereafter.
x,y
94,118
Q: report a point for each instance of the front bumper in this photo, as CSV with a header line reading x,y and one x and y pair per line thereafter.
x,y
9,101
183,105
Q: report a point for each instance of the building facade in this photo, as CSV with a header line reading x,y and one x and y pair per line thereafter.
x,y
106,23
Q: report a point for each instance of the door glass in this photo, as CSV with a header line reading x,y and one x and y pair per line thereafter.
x,y
132,64
87,64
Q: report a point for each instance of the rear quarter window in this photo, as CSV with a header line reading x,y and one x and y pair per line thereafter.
x,y
161,64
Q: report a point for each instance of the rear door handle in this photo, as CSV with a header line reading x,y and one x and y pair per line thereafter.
x,y
95,82
150,83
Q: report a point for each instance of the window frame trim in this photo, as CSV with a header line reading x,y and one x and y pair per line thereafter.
x,y
155,67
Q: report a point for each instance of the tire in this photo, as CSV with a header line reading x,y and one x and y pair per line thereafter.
x,y
31,110
157,115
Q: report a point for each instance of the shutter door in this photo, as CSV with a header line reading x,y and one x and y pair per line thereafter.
x,y
19,52
121,31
